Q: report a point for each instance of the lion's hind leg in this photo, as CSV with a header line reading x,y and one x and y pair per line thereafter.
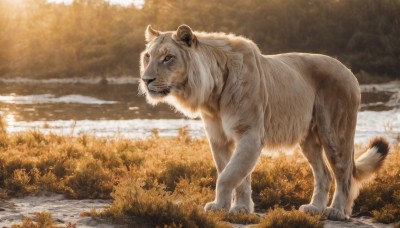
x,y
336,121
312,150
342,167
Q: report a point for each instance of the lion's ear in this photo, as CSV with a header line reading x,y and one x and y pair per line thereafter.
x,y
150,33
185,34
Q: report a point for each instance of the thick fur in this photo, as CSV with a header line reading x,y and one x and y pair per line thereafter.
x,y
249,101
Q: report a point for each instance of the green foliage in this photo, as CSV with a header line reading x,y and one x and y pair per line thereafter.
x,y
97,38
288,219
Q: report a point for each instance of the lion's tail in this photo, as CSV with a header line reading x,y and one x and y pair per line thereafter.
x,y
371,160
365,166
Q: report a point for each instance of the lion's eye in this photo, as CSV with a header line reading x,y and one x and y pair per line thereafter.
x,y
147,55
168,58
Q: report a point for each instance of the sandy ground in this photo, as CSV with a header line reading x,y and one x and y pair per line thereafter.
x,y
65,210
362,222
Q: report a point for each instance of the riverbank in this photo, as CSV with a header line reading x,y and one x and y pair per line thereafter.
x,y
166,181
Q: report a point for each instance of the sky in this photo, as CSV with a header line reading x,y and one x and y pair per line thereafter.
x,y
121,2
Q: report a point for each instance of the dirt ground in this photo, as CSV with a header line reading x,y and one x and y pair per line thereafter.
x,y
66,210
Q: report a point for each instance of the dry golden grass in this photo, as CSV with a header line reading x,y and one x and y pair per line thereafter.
x,y
166,181
381,197
288,219
40,220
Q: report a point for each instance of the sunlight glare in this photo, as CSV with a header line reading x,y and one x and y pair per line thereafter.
x,y
8,98
137,3
10,119
17,2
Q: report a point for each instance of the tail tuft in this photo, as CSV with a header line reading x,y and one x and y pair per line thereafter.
x,y
365,166
381,144
371,160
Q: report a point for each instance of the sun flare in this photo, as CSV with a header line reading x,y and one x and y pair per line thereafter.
x,y
16,2
10,118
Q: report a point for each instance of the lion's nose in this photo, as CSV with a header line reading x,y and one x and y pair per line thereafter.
x,y
148,80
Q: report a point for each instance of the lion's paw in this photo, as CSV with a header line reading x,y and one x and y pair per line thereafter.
x,y
240,208
213,206
335,214
310,209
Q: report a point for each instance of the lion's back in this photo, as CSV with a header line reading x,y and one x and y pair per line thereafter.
x,y
295,82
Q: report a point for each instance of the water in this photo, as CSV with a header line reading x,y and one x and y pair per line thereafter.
x,y
112,108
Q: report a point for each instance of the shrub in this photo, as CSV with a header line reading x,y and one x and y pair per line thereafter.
x,y
19,182
92,181
174,176
387,214
40,220
380,198
279,218
153,206
284,180
236,218
189,170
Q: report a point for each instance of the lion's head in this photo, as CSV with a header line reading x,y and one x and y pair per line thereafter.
x,y
184,68
165,63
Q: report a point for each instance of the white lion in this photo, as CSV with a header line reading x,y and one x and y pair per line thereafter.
x,y
249,101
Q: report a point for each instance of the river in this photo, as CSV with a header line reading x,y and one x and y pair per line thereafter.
x,y
112,108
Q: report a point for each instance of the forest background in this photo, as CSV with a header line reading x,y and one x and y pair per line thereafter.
x,y
95,38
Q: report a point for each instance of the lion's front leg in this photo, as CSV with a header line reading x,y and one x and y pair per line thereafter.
x,y
242,200
221,148
240,166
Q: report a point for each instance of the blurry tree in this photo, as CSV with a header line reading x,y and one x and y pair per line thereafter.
x,y
94,37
